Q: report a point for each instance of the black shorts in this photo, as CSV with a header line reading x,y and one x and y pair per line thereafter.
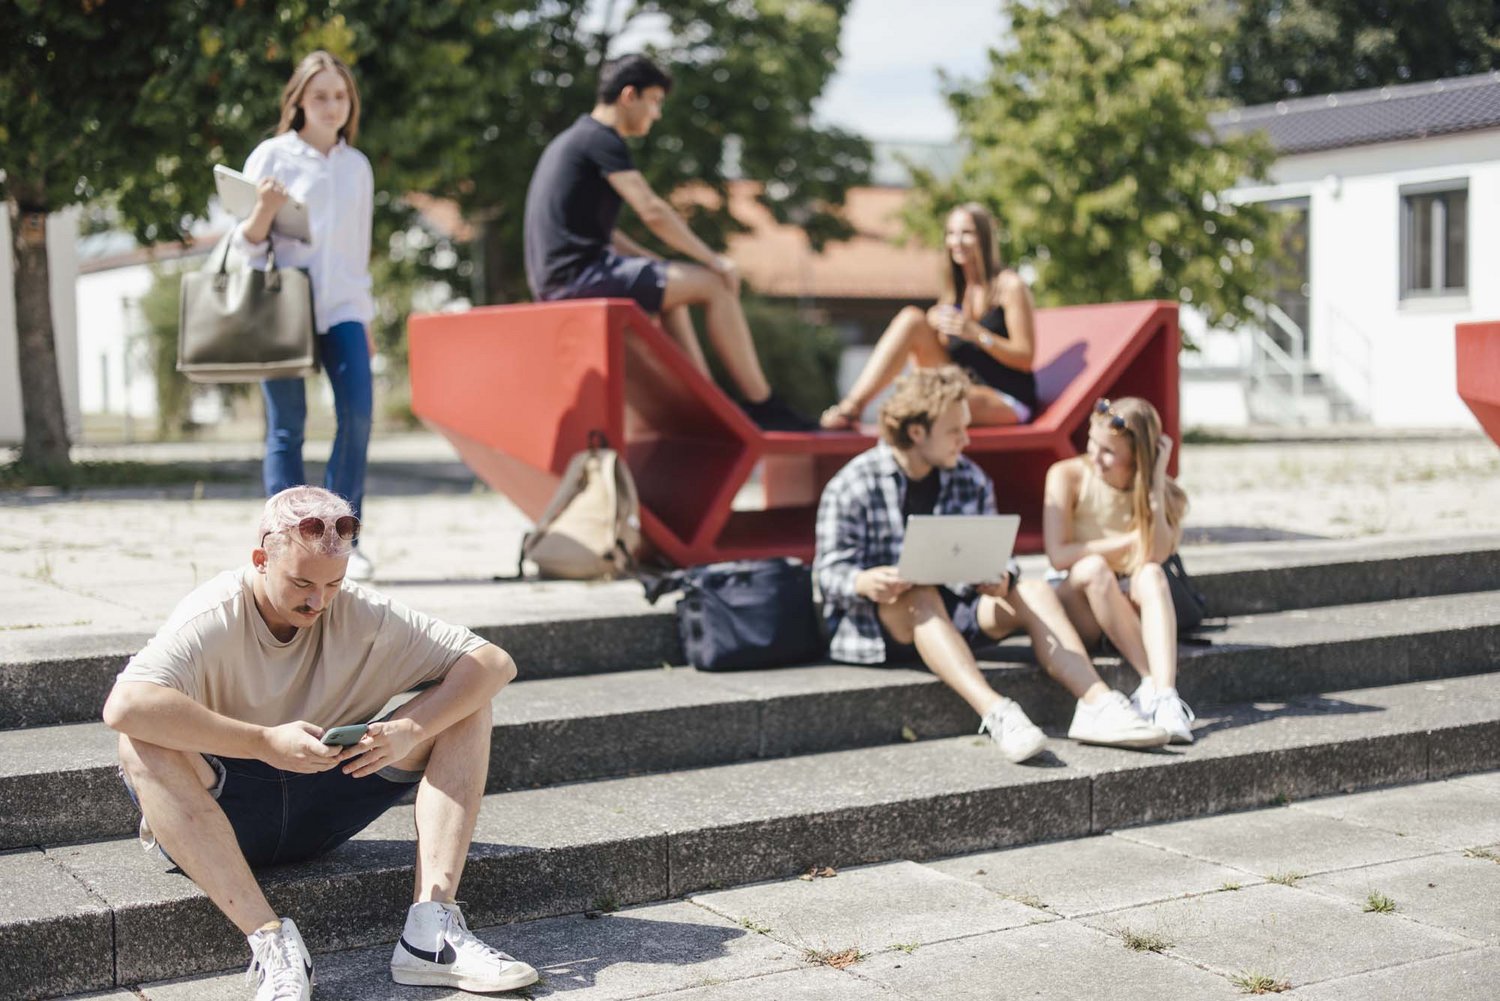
x,y
281,817
963,612
643,279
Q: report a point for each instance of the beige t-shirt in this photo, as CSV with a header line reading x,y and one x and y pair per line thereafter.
x,y
217,650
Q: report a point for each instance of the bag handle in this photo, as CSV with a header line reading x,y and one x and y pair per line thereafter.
x,y
218,262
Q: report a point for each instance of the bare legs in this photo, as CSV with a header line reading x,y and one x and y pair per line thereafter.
x,y
907,337
920,618
1142,626
173,788
448,804
689,285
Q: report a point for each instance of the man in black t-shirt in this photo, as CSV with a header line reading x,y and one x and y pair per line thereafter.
x,y
575,251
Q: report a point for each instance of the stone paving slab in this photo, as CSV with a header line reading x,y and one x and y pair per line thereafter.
x,y
40,902
1089,875
1058,961
1457,893
898,905
1281,932
1466,976
1458,813
822,984
637,952
1280,841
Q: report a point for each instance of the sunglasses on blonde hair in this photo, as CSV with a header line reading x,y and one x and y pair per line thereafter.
x,y
313,528
1102,407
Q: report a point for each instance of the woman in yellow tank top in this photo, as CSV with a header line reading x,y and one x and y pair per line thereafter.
x,y
1112,516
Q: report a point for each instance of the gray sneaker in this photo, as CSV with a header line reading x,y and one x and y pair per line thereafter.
x,y
1011,730
1113,722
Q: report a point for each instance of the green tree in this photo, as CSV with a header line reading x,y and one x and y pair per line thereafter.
x,y
1289,48
1090,141
100,98
466,116
133,102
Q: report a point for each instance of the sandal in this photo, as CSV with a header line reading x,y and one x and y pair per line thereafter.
x,y
842,416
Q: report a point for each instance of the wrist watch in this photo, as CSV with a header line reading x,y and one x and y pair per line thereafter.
x,y
984,339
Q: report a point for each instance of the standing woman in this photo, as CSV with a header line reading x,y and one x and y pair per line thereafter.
x,y
1112,517
983,323
312,159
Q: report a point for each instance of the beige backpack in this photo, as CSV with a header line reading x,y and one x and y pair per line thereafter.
x,y
592,528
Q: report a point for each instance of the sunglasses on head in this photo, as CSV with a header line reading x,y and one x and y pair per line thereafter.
x,y
1103,407
313,528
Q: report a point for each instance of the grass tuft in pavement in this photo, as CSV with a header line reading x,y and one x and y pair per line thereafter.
x,y
1259,983
838,959
1379,903
1288,878
1148,941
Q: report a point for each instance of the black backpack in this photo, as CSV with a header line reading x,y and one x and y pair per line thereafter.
x,y
745,614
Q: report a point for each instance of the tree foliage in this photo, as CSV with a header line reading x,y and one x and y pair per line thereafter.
x,y
1090,142
1289,48
134,102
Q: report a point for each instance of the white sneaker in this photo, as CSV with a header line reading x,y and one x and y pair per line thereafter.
x,y
1113,722
1011,730
437,949
281,961
360,567
1143,699
1174,716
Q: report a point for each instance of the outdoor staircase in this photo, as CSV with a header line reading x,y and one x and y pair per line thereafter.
x,y
616,779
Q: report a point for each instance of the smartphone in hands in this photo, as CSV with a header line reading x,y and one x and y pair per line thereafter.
x,y
345,736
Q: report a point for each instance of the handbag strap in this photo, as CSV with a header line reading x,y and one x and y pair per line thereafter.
x,y
218,261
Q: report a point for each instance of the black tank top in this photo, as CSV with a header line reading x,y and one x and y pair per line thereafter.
x,y
989,370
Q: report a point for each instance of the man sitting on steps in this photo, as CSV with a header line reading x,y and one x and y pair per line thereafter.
x,y
220,720
574,251
875,617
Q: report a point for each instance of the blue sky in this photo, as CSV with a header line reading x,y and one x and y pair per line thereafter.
x,y
886,86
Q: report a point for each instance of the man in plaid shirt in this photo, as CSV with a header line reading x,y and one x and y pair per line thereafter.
x,y
875,617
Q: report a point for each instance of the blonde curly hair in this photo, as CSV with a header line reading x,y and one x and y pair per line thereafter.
x,y
919,398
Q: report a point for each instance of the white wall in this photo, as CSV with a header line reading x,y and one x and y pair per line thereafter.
x,y
114,368
1394,358
62,262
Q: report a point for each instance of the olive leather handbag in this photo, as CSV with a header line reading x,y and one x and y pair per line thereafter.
x,y
239,324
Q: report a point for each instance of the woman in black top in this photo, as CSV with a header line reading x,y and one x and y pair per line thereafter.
x,y
984,323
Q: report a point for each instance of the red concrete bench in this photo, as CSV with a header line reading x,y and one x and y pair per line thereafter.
x,y
1478,356
517,389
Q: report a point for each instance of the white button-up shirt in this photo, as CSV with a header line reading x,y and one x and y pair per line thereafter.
x,y
338,190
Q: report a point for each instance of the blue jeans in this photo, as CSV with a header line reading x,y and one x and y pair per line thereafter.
x,y
346,358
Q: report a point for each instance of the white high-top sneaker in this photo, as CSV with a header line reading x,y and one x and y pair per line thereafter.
x,y
437,949
282,963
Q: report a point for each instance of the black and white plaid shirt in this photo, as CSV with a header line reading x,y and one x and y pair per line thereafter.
x,y
860,526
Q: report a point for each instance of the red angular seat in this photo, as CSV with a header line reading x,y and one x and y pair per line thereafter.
x,y
1478,363
517,389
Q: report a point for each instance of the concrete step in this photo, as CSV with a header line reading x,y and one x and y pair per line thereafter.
x,y
99,915
565,629
59,784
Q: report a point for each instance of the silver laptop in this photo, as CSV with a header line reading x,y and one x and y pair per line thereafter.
x,y
957,548
237,195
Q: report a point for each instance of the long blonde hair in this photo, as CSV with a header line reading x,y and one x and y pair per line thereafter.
x,y
292,118
989,255
1143,428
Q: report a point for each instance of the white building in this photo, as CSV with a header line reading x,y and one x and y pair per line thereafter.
x,y
1389,190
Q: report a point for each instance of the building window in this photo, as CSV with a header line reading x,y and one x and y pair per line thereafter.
x,y
1435,240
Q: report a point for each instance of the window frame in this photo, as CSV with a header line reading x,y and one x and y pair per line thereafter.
x,y
1407,255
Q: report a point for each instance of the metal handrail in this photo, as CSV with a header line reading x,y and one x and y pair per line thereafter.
x,y
1292,365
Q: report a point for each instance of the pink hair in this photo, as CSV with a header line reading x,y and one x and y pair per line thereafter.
x,y
286,509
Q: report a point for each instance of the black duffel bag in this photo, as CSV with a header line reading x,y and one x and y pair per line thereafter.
x,y
745,614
